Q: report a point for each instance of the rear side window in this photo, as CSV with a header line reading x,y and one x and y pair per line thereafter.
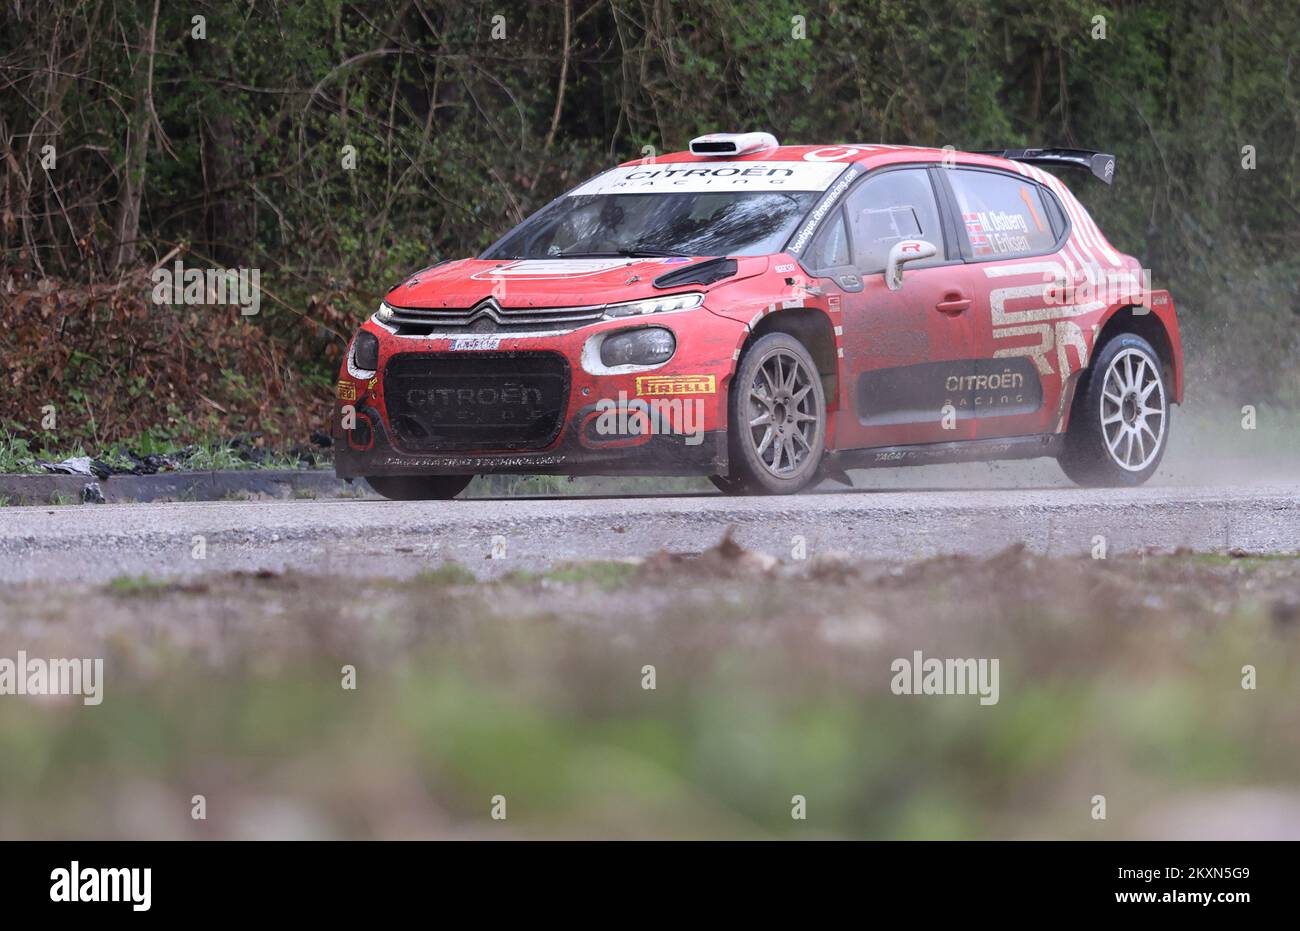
x,y
1059,226
888,207
1002,216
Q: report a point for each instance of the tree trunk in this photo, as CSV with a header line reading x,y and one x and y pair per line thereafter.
x,y
126,224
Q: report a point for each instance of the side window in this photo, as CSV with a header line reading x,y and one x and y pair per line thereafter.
x,y
888,207
1054,210
1002,216
831,247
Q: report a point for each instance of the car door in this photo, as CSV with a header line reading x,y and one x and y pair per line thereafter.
x,y
1011,230
904,351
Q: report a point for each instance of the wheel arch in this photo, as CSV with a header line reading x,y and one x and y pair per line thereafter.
x,y
1143,322
813,328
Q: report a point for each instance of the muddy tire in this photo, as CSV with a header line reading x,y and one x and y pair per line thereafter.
x,y
777,419
726,485
419,487
1119,422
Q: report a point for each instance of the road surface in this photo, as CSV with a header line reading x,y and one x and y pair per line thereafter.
x,y
492,536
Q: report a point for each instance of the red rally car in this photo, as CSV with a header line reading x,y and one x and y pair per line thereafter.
x,y
768,316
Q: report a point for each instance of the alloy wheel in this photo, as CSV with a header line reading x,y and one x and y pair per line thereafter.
x,y
1133,413
783,419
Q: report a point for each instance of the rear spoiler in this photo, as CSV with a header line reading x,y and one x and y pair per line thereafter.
x,y
1100,164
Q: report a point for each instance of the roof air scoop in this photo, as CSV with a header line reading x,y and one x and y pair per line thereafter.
x,y
732,143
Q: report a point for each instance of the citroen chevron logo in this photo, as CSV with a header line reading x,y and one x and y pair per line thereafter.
x,y
486,308
485,316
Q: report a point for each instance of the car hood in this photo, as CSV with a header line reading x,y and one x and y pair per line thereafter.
x,y
549,282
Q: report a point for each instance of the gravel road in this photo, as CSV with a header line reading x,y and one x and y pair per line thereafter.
x,y
94,543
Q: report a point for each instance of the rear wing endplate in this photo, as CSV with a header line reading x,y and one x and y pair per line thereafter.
x,y
1101,164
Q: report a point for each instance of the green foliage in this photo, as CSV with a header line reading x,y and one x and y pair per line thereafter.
x,y
16,455
607,574
447,573
454,141
134,586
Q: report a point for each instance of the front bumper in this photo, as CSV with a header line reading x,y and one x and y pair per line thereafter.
x,y
658,455
600,417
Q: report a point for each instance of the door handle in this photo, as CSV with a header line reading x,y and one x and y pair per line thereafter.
x,y
954,302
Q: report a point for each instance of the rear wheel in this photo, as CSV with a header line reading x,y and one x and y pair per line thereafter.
x,y
777,415
419,487
1119,424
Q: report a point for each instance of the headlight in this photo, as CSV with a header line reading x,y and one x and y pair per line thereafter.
x,y
365,351
655,305
384,313
642,346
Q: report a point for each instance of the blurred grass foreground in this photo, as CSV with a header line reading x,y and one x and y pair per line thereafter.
x,y
1119,678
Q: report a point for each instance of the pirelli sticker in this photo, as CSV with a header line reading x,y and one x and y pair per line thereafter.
x,y
347,391
654,386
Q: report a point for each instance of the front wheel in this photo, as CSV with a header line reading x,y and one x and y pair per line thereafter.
x,y
1119,424
777,415
726,485
419,487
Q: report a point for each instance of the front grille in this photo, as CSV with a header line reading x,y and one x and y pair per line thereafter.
x,y
476,400
489,317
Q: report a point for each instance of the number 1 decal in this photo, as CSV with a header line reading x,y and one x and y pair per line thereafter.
x,y
1024,195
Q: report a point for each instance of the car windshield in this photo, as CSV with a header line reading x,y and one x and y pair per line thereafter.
x,y
699,223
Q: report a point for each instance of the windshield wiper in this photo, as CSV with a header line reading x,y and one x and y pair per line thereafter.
x,y
636,253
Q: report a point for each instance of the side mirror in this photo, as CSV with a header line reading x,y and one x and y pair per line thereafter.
x,y
902,252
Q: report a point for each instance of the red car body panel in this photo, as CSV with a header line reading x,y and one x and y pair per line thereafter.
x,y
959,332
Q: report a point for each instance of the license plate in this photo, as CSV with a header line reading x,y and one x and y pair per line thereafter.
x,y
475,342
